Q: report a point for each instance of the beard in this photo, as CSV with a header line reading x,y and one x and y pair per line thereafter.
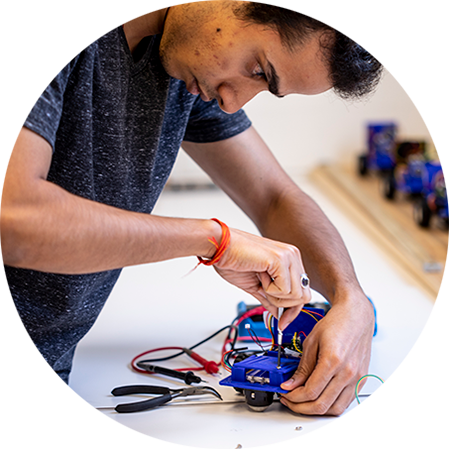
x,y
184,34
168,48
165,55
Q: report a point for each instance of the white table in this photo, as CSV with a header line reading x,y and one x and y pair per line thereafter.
x,y
155,306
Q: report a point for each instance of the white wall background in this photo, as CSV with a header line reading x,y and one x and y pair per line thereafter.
x,y
30,35
306,131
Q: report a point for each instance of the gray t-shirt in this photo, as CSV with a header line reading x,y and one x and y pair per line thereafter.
x,y
115,126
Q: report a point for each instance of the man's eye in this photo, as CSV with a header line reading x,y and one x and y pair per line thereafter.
x,y
258,71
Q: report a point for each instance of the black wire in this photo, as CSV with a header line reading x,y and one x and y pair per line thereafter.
x,y
162,358
236,334
255,338
242,351
230,353
230,330
227,357
231,326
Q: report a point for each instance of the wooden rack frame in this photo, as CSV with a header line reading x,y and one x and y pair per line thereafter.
x,y
421,252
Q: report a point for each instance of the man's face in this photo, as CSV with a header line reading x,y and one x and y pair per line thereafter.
x,y
220,57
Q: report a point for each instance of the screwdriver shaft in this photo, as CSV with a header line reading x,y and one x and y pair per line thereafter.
x,y
280,335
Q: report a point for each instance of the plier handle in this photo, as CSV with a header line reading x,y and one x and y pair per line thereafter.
x,y
166,395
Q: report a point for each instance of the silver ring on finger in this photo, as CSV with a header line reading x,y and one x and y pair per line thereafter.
x,y
304,280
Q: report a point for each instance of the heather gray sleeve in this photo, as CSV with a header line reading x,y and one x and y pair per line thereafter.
x,y
45,116
208,123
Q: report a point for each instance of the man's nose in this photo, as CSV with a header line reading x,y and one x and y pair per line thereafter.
x,y
232,98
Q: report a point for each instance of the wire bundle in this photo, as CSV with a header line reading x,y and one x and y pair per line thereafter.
x,y
230,341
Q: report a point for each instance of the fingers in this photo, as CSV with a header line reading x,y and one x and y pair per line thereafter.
x,y
292,305
314,378
305,369
285,274
288,316
286,288
261,296
328,403
276,266
323,388
336,355
333,399
321,391
313,390
265,280
297,295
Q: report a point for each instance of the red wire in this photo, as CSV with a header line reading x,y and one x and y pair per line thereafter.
x,y
250,339
315,313
255,311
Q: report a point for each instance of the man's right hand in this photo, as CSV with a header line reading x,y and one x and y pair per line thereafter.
x,y
268,270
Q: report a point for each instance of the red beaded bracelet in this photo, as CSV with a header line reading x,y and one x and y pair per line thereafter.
x,y
221,248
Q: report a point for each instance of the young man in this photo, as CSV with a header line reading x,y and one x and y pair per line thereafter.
x,y
98,147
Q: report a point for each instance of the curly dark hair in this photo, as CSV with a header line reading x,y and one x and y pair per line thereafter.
x,y
353,71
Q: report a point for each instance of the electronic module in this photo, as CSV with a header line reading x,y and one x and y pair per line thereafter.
x,y
258,376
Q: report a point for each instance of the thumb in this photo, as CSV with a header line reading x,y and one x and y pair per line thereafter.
x,y
304,370
288,316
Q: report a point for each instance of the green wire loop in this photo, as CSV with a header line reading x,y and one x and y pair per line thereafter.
x,y
360,406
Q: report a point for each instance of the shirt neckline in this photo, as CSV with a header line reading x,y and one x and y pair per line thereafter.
x,y
143,61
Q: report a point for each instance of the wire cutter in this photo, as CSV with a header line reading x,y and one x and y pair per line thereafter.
x,y
166,395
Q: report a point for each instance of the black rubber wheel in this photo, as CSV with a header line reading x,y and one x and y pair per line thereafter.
x,y
422,212
258,400
363,165
389,185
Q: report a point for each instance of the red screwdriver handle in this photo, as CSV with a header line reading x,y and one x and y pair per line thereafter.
x,y
210,366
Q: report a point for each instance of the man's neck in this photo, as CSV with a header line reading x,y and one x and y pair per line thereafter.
x,y
147,25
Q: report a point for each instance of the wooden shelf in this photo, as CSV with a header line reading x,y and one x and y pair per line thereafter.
x,y
422,252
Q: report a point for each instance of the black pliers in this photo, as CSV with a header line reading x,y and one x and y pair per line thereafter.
x,y
166,395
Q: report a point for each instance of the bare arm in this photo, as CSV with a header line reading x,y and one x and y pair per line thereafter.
x,y
246,170
46,228
337,352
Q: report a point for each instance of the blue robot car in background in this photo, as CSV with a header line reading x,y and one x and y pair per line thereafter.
x,y
433,199
409,172
381,149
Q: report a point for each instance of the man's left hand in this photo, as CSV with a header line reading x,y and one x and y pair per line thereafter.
x,y
336,355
